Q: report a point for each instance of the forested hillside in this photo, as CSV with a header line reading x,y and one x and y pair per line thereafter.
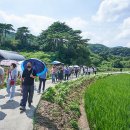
x,y
60,42
117,57
116,51
59,39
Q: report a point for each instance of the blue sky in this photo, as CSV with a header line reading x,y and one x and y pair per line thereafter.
x,y
103,21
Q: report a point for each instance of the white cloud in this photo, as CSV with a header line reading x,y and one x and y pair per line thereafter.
x,y
108,38
111,10
124,29
34,22
92,36
37,23
128,44
77,23
123,34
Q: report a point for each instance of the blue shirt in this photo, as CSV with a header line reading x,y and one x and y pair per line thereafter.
x,y
66,71
43,76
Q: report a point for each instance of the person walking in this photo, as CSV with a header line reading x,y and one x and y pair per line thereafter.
x,y
56,74
95,70
89,70
86,70
60,74
67,72
11,81
42,79
53,71
1,76
28,76
76,72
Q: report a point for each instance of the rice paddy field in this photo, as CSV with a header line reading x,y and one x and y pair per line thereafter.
x,y
107,103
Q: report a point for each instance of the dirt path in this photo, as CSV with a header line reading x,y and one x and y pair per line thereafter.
x,y
83,122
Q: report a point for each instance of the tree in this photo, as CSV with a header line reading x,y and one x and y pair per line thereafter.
x,y
5,29
2,27
22,35
66,42
117,64
8,28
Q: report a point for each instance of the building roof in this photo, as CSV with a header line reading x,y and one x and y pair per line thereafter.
x,y
10,55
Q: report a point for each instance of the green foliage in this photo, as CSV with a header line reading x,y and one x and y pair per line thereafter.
x,y
59,93
98,48
65,45
74,124
67,96
66,42
49,95
105,57
63,41
117,64
44,56
107,103
126,63
74,106
120,51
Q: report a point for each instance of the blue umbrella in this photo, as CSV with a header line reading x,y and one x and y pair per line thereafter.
x,y
37,65
56,62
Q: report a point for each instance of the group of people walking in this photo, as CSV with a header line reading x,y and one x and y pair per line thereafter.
x,y
27,83
89,70
58,74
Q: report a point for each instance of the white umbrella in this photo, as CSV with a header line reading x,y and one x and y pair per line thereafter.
x,y
56,62
19,66
76,66
8,62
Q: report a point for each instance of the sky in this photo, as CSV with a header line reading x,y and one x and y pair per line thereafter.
x,y
102,21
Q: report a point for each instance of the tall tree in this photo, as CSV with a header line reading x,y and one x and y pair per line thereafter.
x,y
8,28
64,41
2,27
22,34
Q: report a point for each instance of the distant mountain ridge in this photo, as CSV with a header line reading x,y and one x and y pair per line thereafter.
x,y
116,51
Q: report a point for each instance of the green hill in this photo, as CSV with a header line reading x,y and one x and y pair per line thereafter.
x,y
98,48
117,51
103,56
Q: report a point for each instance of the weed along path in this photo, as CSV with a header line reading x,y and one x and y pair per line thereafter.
x,y
60,106
10,117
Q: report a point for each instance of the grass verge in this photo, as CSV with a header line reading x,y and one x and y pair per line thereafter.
x,y
59,107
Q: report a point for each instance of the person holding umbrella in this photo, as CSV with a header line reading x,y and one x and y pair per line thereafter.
x,y
31,68
28,76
